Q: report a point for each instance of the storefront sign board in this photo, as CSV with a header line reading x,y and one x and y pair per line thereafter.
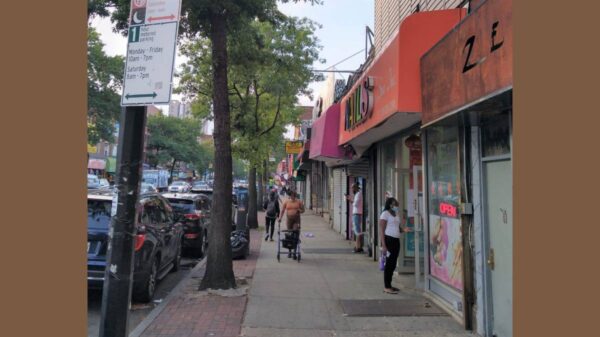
x,y
473,61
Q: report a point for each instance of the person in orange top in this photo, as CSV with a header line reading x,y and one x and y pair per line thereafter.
x,y
293,207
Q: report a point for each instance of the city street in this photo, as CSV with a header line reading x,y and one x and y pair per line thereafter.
x,y
391,179
139,311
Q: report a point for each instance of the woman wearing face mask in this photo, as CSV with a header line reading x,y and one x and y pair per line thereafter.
x,y
390,229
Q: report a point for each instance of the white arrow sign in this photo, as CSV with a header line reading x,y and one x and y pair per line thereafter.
x,y
149,65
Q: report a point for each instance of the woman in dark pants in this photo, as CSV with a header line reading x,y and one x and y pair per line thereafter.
x,y
390,229
271,208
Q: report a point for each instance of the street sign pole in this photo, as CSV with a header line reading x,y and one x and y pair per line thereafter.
x,y
148,77
118,278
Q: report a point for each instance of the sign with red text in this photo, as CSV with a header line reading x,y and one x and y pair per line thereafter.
x,y
152,41
144,12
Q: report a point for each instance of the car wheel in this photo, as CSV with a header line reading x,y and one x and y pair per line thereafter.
x,y
146,294
204,246
177,260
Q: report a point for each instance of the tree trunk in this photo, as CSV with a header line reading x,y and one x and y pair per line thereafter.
x,y
219,267
172,169
252,219
261,190
265,176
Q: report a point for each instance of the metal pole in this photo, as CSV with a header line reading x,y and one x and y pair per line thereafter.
x,y
118,277
417,226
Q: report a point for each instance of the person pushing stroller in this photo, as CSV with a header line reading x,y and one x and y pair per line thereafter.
x,y
293,207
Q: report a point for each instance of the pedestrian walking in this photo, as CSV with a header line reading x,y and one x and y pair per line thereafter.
x,y
357,211
391,225
293,207
271,208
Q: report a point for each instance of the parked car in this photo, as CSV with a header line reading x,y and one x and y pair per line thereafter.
x,y
93,181
158,241
200,185
145,187
180,186
204,189
194,212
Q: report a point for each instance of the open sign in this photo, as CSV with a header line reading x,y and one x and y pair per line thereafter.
x,y
448,210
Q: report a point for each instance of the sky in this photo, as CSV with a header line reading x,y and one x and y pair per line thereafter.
x,y
342,34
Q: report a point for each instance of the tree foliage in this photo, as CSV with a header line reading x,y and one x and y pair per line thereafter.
x,y
173,140
218,20
105,79
269,66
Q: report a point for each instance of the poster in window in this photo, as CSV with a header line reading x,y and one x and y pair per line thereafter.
x,y
445,250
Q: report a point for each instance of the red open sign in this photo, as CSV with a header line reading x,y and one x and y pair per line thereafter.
x,y
448,209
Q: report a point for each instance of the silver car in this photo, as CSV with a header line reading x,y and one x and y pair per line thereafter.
x,y
180,187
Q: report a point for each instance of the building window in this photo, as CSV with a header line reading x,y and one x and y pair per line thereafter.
x,y
388,167
495,135
443,179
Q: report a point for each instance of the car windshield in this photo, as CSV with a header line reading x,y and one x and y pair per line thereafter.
x,y
178,183
200,183
99,214
182,206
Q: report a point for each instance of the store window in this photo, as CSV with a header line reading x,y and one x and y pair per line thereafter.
x,y
445,239
495,135
388,174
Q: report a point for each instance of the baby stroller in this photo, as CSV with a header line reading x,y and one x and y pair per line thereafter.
x,y
289,239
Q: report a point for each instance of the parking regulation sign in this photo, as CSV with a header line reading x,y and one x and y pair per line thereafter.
x,y
152,41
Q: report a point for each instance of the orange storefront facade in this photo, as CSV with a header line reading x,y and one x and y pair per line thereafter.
x,y
379,129
467,81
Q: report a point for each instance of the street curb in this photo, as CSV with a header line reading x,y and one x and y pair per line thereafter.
x,y
140,328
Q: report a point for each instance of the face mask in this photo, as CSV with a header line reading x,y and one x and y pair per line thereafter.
x,y
395,209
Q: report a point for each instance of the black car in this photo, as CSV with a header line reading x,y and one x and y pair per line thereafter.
x,y
194,212
158,242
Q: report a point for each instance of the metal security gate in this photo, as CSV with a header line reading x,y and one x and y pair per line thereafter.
x,y
344,206
339,182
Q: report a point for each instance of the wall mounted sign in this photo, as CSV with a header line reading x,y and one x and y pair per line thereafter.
x,y
359,105
472,62
294,146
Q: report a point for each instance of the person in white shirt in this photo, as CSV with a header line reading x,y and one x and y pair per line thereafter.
x,y
391,225
357,212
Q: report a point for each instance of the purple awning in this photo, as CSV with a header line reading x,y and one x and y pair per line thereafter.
x,y
325,135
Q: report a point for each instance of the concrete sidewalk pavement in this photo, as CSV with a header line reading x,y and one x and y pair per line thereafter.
x,y
289,299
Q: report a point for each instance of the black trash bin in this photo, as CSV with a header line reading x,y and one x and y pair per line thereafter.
x,y
240,238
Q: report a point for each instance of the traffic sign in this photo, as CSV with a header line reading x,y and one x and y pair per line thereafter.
x,y
154,11
152,41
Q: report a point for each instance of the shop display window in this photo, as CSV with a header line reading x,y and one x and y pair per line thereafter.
x,y
445,239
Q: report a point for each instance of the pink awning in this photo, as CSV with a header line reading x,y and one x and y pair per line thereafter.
x,y
325,135
96,164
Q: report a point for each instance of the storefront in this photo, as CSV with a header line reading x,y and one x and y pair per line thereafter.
x,y
96,166
331,176
400,170
467,142
380,126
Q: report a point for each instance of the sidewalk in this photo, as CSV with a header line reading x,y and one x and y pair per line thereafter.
x,y
291,299
305,299
191,313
